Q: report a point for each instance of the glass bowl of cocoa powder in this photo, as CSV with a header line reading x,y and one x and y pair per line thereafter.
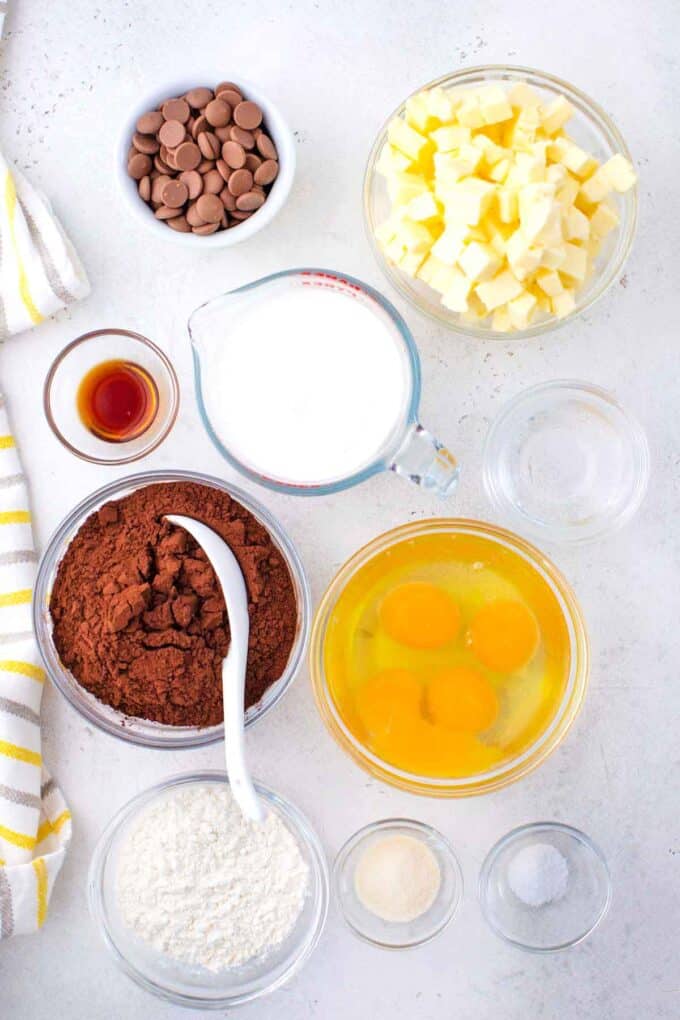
x,y
130,618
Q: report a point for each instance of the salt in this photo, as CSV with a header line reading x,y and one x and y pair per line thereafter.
x,y
538,874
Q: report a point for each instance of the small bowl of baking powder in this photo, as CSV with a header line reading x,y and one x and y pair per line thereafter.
x,y
200,906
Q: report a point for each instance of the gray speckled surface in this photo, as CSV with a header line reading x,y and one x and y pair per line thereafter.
x,y
69,73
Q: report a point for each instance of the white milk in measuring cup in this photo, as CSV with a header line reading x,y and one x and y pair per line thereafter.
x,y
309,382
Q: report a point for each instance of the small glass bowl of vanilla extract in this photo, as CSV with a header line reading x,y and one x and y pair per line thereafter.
x,y
111,396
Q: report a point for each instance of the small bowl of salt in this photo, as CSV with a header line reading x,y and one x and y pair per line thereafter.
x,y
398,883
544,887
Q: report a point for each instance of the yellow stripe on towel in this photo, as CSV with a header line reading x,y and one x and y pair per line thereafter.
x,y
15,517
20,753
41,888
16,598
6,442
25,668
17,838
47,827
24,289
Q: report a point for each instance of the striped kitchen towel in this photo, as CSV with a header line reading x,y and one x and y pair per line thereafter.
x,y
40,272
35,825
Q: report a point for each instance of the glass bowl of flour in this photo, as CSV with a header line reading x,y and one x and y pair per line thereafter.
x,y
201,907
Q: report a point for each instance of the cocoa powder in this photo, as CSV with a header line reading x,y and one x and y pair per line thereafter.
x,y
138,614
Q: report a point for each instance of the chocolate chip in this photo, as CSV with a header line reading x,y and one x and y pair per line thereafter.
x,y
213,182
158,185
193,181
229,94
161,166
209,144
240,182
209,208
187,156
165,212
234,155
248,115
144,188
249,202
267,173
265,146
176,109
243,137
175,194
218,113
145,143
194,219
200,124
253,162
198,97
150,123
223,169
180,224
172,133
206,228
139,166
228,200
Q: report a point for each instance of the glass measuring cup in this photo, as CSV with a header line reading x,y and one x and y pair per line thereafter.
x,y
407,448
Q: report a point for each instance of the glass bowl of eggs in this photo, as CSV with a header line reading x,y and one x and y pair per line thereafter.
x,y
500,201
449,657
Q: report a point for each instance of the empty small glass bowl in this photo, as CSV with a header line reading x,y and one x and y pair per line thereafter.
x,y
590,127
391,934
72,365
558,924
565,462
195,986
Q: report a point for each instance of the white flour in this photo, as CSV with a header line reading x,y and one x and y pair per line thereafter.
x,y
307,385
205,887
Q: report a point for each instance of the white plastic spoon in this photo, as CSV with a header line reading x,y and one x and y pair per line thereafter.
x,y
228,571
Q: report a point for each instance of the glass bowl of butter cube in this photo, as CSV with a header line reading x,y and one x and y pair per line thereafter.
x,y
500,201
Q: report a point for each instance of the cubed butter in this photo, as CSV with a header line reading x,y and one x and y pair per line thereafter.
x,y
620,173
562,304
405,138
500,290
556,114
521,309
478,261
456,296
603,220
493,205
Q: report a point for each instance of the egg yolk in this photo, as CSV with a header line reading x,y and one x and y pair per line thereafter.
x,y
388,697
461,698
419,615
504,635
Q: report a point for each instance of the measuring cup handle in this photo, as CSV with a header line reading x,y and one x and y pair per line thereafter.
x,y
426,462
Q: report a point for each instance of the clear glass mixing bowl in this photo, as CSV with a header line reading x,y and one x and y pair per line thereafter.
x,y
590,127
129,728
197,987
508,771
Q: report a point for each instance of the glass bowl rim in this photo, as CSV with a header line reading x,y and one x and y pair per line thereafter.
x,y
173,409
197,737
506,772
593,112
567,534
509,838
298,822
444,846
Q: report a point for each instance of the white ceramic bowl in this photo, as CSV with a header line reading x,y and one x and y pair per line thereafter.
x,y
276,127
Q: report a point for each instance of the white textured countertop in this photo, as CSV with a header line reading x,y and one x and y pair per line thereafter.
x,y
69,74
